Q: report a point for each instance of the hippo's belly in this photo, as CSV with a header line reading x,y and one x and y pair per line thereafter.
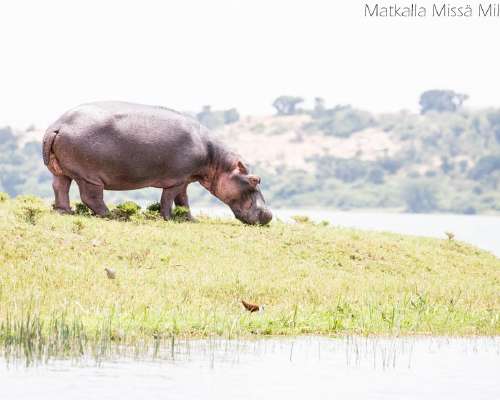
x,y
126,152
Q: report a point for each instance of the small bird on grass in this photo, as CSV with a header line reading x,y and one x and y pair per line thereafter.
x,y
110,273
450,235
252,307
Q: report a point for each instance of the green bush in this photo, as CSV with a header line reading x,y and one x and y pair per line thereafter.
x,y
155,207
152,211
82,209
124,211
29,209
29,214
118,215
151,215
129,208
3,196
180,214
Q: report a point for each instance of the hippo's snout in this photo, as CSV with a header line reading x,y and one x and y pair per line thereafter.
x,y
260,216
265,216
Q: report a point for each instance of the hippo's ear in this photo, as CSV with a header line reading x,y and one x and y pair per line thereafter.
x,y
242,168
254,180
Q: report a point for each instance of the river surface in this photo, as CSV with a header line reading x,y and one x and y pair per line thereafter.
x,y
296,368
480,230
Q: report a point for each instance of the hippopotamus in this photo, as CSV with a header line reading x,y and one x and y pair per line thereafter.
x,y
124,146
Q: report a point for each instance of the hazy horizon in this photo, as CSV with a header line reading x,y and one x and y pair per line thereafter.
x,y
232,53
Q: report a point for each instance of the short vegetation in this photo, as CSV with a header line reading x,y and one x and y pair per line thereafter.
x,y
187,280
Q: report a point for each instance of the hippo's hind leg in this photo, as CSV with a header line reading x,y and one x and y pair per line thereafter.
x,y
61,185
92,196
182,200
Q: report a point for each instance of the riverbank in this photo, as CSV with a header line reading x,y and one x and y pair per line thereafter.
x,y
478,230
187,280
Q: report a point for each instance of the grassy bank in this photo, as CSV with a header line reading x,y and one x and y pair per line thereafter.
x,y
187,280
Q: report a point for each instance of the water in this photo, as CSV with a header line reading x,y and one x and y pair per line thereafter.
x,y
298,368
480,230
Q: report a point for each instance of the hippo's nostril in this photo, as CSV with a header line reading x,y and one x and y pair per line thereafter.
x,y
265,216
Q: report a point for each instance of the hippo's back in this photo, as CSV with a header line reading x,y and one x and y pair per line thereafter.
x,y
124,145
126,118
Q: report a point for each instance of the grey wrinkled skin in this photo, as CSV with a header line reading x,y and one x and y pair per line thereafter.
x,y
125,146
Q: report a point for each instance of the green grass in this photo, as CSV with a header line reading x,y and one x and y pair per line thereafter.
x,y
187,279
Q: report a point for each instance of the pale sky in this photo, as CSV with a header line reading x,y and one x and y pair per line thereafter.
x,y
55,54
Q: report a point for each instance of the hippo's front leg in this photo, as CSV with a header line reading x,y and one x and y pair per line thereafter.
x,y
182,200
167,200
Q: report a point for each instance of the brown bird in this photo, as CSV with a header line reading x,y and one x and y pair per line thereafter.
x,y
450,235
110,273
252,307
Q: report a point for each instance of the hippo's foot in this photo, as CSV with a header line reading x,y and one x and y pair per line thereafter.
x,y
190,218
167,216
64,211
186,218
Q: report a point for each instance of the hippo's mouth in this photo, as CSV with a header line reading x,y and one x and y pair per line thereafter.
x,y
254,215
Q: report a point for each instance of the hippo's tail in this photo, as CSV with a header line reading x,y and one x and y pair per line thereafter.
x,y
48,139
49,159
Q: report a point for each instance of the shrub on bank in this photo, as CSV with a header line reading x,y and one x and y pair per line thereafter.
x,y
180,214
29,209
129,208
155,207
82,209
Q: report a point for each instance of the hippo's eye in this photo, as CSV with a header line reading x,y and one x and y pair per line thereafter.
x,y
244,184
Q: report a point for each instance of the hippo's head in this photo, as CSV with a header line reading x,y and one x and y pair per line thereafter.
x,y
241,192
